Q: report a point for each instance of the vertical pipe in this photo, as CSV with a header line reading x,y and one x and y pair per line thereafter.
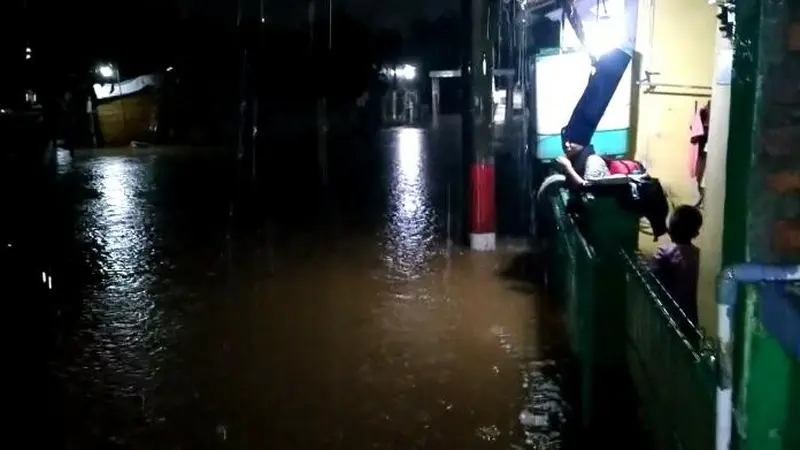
x,y
394,106
481,172
467,125
435,102
727,296
92,127
509,101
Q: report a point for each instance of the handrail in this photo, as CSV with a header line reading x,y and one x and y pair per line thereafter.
x,y
585,246
701,351
652,86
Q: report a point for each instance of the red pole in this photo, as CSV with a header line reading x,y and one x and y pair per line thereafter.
x,y
483,231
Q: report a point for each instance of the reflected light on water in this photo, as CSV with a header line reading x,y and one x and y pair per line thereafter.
x,y
409,155
121,307
409,152
409,228
114,183
121,224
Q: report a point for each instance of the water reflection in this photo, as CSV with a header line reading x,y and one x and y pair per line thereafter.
x,y
122,332
410,234
408,145
122,235
356,341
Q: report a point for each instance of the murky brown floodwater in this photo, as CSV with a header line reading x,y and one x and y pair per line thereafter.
x,y
334,318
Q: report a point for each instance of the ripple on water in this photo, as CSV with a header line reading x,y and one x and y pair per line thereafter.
x,y
178,345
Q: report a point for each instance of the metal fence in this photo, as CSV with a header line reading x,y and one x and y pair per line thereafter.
x,y
674,376
674,379
571,272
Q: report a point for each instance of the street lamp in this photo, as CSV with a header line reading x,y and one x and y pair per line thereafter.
x,y
109,72
407,72
106,71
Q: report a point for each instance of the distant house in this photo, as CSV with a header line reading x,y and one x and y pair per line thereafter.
x,y
128,110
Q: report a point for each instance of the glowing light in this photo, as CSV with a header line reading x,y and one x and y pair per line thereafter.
x,y
604,35
106,71
604,29
406,72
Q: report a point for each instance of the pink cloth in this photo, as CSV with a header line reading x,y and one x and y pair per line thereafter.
x,y
695,130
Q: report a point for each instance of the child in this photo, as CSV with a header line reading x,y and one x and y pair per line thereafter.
x,y
677,264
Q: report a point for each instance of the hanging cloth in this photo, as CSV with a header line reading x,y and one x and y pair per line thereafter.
x,y
697,141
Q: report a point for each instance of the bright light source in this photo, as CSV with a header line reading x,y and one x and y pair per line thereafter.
x,y
407,72
27,49
602,36
106,71
604,29
169,69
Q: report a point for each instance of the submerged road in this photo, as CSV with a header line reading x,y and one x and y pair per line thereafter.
x,y
318,317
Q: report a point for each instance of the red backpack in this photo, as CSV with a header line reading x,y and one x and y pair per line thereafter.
x,y
625,167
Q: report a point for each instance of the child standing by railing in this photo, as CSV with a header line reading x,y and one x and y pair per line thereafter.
x,y
677,264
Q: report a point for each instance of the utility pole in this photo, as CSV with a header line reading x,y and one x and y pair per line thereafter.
x,y
477,164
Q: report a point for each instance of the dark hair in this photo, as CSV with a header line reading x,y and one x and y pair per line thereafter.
x,y
684,224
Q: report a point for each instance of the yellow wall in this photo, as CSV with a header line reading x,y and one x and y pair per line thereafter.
x,y
676,39
127,119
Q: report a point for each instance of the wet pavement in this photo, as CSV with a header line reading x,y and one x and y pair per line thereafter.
x,y
309,316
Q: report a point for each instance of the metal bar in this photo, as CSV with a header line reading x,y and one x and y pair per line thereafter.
x,y
676,86
679,94
456,73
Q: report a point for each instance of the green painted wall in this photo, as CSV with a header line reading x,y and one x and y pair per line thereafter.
x,y
762,210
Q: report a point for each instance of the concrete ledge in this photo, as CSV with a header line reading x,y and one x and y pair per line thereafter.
x,y
483,242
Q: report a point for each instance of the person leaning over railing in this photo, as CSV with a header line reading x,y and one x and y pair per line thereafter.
x,y
677,263
580,163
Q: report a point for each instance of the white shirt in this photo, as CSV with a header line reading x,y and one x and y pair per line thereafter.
x,y
596,168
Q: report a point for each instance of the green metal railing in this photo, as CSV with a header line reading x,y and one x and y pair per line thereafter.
x,y
572,271
618,315
674,376
675,380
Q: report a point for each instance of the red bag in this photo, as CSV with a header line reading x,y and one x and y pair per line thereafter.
x,y
625,167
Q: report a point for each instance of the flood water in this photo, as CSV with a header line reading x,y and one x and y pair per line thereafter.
x,y
310,316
